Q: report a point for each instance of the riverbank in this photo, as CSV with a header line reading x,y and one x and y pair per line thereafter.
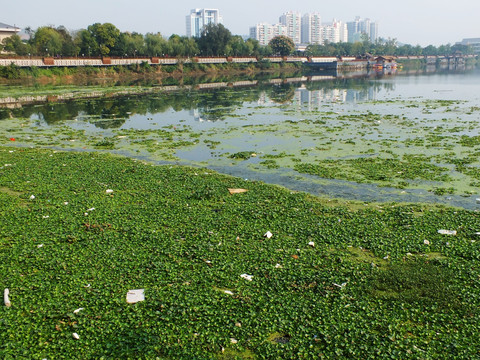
x,y
97,75
262,272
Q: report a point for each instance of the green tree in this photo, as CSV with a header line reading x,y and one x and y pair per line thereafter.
x,y
86,43
282,45
47,41
182,46
214,40
155,44
105,36
15,45
69,48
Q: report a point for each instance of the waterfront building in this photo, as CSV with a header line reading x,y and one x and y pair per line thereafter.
x,y
199,18
264,32
312,29
7,31
293,21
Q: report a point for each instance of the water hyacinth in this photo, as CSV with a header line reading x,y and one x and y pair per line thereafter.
x,y
190,260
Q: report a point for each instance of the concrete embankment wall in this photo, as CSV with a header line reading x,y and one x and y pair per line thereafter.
x,y
99,62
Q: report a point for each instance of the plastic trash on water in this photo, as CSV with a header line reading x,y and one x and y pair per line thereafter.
x,y
6,299
237,191
247,277
134,296
447,232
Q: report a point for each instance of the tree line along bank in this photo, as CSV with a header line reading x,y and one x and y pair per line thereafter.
x,y
216,40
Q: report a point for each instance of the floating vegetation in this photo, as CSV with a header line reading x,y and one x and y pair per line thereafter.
x,y
377,170
261,273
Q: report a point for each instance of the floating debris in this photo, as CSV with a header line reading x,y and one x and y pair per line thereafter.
x,y
237,191
268,235
76,336
247,277
311,243
109,191
78,310
6,298
134,296
447,232
228,292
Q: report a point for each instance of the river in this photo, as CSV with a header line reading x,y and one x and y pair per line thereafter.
x,y
398,137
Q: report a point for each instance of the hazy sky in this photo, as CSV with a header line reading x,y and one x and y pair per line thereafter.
x,y
414,22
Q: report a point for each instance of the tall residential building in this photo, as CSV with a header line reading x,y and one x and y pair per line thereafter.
x,y
312,29
264,32
199,18
373,31
358,28
293,21
335,32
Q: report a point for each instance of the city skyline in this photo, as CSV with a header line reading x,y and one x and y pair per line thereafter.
x,y
423,23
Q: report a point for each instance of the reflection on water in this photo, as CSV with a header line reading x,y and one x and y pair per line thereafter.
x,y
206,105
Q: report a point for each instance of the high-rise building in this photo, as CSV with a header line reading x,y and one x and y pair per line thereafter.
x,y
293,21
335,32
359,28
312,29
373,31
199,18
264,32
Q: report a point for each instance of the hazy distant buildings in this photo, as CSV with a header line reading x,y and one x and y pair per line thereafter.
x,y
474,43
362,28
312,29
335,32
265,32
199,18
293,21
309,29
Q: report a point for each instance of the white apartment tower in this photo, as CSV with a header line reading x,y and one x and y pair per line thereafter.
x,y
199,18
264,32
359,28
335,32
293,21
312,29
